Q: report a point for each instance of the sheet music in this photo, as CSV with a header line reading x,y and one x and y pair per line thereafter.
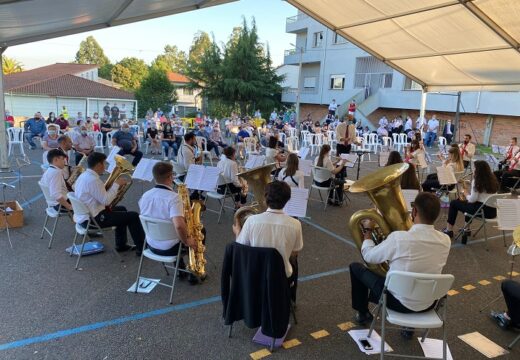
x,y
110,159
351,159
254,161
502,150
305,166
297,205
143,170
200,177
508,213
495,149
446,176
409,197
304,151
492,160
383,158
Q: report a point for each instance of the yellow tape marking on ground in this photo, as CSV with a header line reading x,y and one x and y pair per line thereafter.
x,y
291,343
452,292
484,282
514,273
346,325
320,334
260,354
499,278
468,287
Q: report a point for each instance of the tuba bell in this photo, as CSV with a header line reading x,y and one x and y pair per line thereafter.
x,y
257,179
122,168
78,170
383,187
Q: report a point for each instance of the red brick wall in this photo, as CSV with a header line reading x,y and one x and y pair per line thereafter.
x,y
504,127
318,112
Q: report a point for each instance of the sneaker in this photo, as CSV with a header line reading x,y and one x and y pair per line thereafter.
x,y
501,320
362,319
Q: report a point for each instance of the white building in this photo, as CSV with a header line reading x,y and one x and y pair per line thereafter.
x,y
333,68
188,99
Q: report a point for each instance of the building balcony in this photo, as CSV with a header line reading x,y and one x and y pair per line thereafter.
x,y
297,23
307,95
292,56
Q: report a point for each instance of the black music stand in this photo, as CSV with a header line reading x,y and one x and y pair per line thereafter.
x,y
359,154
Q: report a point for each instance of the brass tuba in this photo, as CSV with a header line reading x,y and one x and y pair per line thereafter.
x,y
123,168
257,179
384,189
78,170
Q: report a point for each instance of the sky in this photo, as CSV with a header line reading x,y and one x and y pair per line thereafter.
x,y
146,39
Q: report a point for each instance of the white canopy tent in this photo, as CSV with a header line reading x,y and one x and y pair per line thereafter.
x,y
25,21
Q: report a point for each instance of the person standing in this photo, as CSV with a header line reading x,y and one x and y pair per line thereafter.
x,y
114,115
105,128
34,127
106,110
65,112
431,133
448,130
333,107
352,108
467,150
128,144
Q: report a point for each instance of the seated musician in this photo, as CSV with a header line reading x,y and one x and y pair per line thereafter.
x,y
510,153
90,190
65,145
510,174
404,250
186,155
323,161
509,319
409,180
483,185
467,150
229,169
274,155
454,163
54,180
291,174
83,144
275,229
128,143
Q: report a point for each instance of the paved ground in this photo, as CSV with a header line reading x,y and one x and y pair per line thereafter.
x,y
50,311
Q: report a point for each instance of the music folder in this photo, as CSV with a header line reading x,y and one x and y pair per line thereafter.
x,y
254,161
351,159
143,170
508,213
446,176
204,178
297,205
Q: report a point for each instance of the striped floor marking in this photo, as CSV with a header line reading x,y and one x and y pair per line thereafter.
x,y
320,334
484,282
346,325
452,292
260,354
291,343
468,287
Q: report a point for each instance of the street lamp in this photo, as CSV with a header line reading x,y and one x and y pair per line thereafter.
x,y
300,48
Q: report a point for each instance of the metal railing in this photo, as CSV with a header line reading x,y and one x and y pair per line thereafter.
x,y
302,91
295,18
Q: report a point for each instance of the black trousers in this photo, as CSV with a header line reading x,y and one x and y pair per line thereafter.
x,y
368,287
466,163
338,187
123,219
343,149
448,137
470,208
507,179
293,279
235,190
511,292
137,155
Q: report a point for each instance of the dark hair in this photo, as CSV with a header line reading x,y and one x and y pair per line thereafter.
x,y
161,171
468,135
291,165
485,180
62,139
324,150
277,194
514,138
273,141
428,207
229,151
415,145
409,180
189,136
394,158
54,153
95,158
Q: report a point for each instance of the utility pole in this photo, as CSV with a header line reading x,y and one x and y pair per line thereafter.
x,y
4,162
457,116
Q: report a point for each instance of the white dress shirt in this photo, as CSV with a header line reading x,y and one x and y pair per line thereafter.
x,y
161,204
476,196
229,170
422,249
433,125
90,190
297,180
470,148
270,155
186,157
333,106
327,164
273,229
53,179
383,122
408,125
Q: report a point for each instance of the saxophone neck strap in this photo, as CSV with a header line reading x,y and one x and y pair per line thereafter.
x,y
164,187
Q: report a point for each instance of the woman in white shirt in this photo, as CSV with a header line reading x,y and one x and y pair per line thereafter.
x,y
290,173
323,161
454,163
229,169
483,185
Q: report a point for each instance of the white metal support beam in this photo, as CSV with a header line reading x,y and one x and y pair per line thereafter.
x,y
119,11
4,163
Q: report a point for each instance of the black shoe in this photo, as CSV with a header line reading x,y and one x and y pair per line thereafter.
x,y
95,234
362,319
501,320
407,333
124,248
193,280
448,232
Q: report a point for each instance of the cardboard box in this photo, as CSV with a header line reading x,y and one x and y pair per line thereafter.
x,y
14,218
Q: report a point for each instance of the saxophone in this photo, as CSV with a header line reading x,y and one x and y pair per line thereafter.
x,y
196,264
78,170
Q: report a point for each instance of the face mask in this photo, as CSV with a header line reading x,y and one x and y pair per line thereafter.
x,y
126,130
105,120
52,116
52,132
83,132
88,121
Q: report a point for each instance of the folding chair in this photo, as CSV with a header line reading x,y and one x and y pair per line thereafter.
x,y
323,173
160,230
81,209
221,198
415,287
50,212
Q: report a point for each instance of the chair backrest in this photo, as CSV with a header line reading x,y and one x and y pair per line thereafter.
x,y
318,139
403,138
158,229
292,132
201,143
77,205
417,286
372,139
15,134
331,135
321,172
442,141
492,199
46,194
282,137
387,141
395,138
293,144
98,138
135,129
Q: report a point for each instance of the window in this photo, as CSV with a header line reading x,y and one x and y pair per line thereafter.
x,y
188,91
309,82
338,39
372,73
409,84
317,39
337,82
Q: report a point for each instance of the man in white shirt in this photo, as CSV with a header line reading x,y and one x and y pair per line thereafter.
x,y
53,179
408,124
274,116
186,154
333,107
383,122
90,190
275,229
467,150
431,133
421,249
83,144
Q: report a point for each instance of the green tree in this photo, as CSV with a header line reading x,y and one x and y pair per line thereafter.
x,y
138,71
121,75
105,71
11,66
172,59
156,91
90,52
200,44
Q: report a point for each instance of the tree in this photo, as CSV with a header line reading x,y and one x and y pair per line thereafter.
x,y
11,66
201,43
138,71
156,91
90,52
105,71
172,59
121,75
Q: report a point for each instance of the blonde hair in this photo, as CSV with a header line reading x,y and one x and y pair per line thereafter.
x,y
456,159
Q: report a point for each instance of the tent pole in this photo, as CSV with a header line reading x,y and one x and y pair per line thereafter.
x,y
422,111
4,163
457,117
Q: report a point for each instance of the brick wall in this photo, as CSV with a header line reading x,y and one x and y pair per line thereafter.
x,y
504,127
318,112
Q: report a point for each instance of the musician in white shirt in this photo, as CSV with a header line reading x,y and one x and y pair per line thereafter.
x,y
509,177
421,249
229,170
90,190
323,161
54,180
291,174
510,153
186,154
467,150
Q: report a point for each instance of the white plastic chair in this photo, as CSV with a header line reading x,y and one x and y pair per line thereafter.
x,y
15,137
221,198
282,137
292,132
427,288
293,144
373,143
317,144
202,144
403,139
160,230
109,139
322,173
442,143
98,139
387,141
395,139
305,139
250,146
50,212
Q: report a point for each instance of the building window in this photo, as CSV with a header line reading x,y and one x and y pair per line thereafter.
x,y
188,91
409,84
337,82
338,39
317,39
372,73
309,82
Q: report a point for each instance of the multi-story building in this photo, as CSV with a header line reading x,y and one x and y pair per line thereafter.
x,y
188,99
333,68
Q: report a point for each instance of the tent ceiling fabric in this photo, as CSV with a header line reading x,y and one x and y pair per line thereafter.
x,y
466,45
24,21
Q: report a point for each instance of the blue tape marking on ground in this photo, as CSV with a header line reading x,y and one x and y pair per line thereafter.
x,y
328,232
124,319
31,200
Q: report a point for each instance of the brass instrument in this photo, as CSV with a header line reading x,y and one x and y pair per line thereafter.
x,y
257,179
78,170
123,168
243,183
384,189
196,264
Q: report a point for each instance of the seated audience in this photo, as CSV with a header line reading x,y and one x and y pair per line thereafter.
x,y
83,144
50,139
128,144
34,127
